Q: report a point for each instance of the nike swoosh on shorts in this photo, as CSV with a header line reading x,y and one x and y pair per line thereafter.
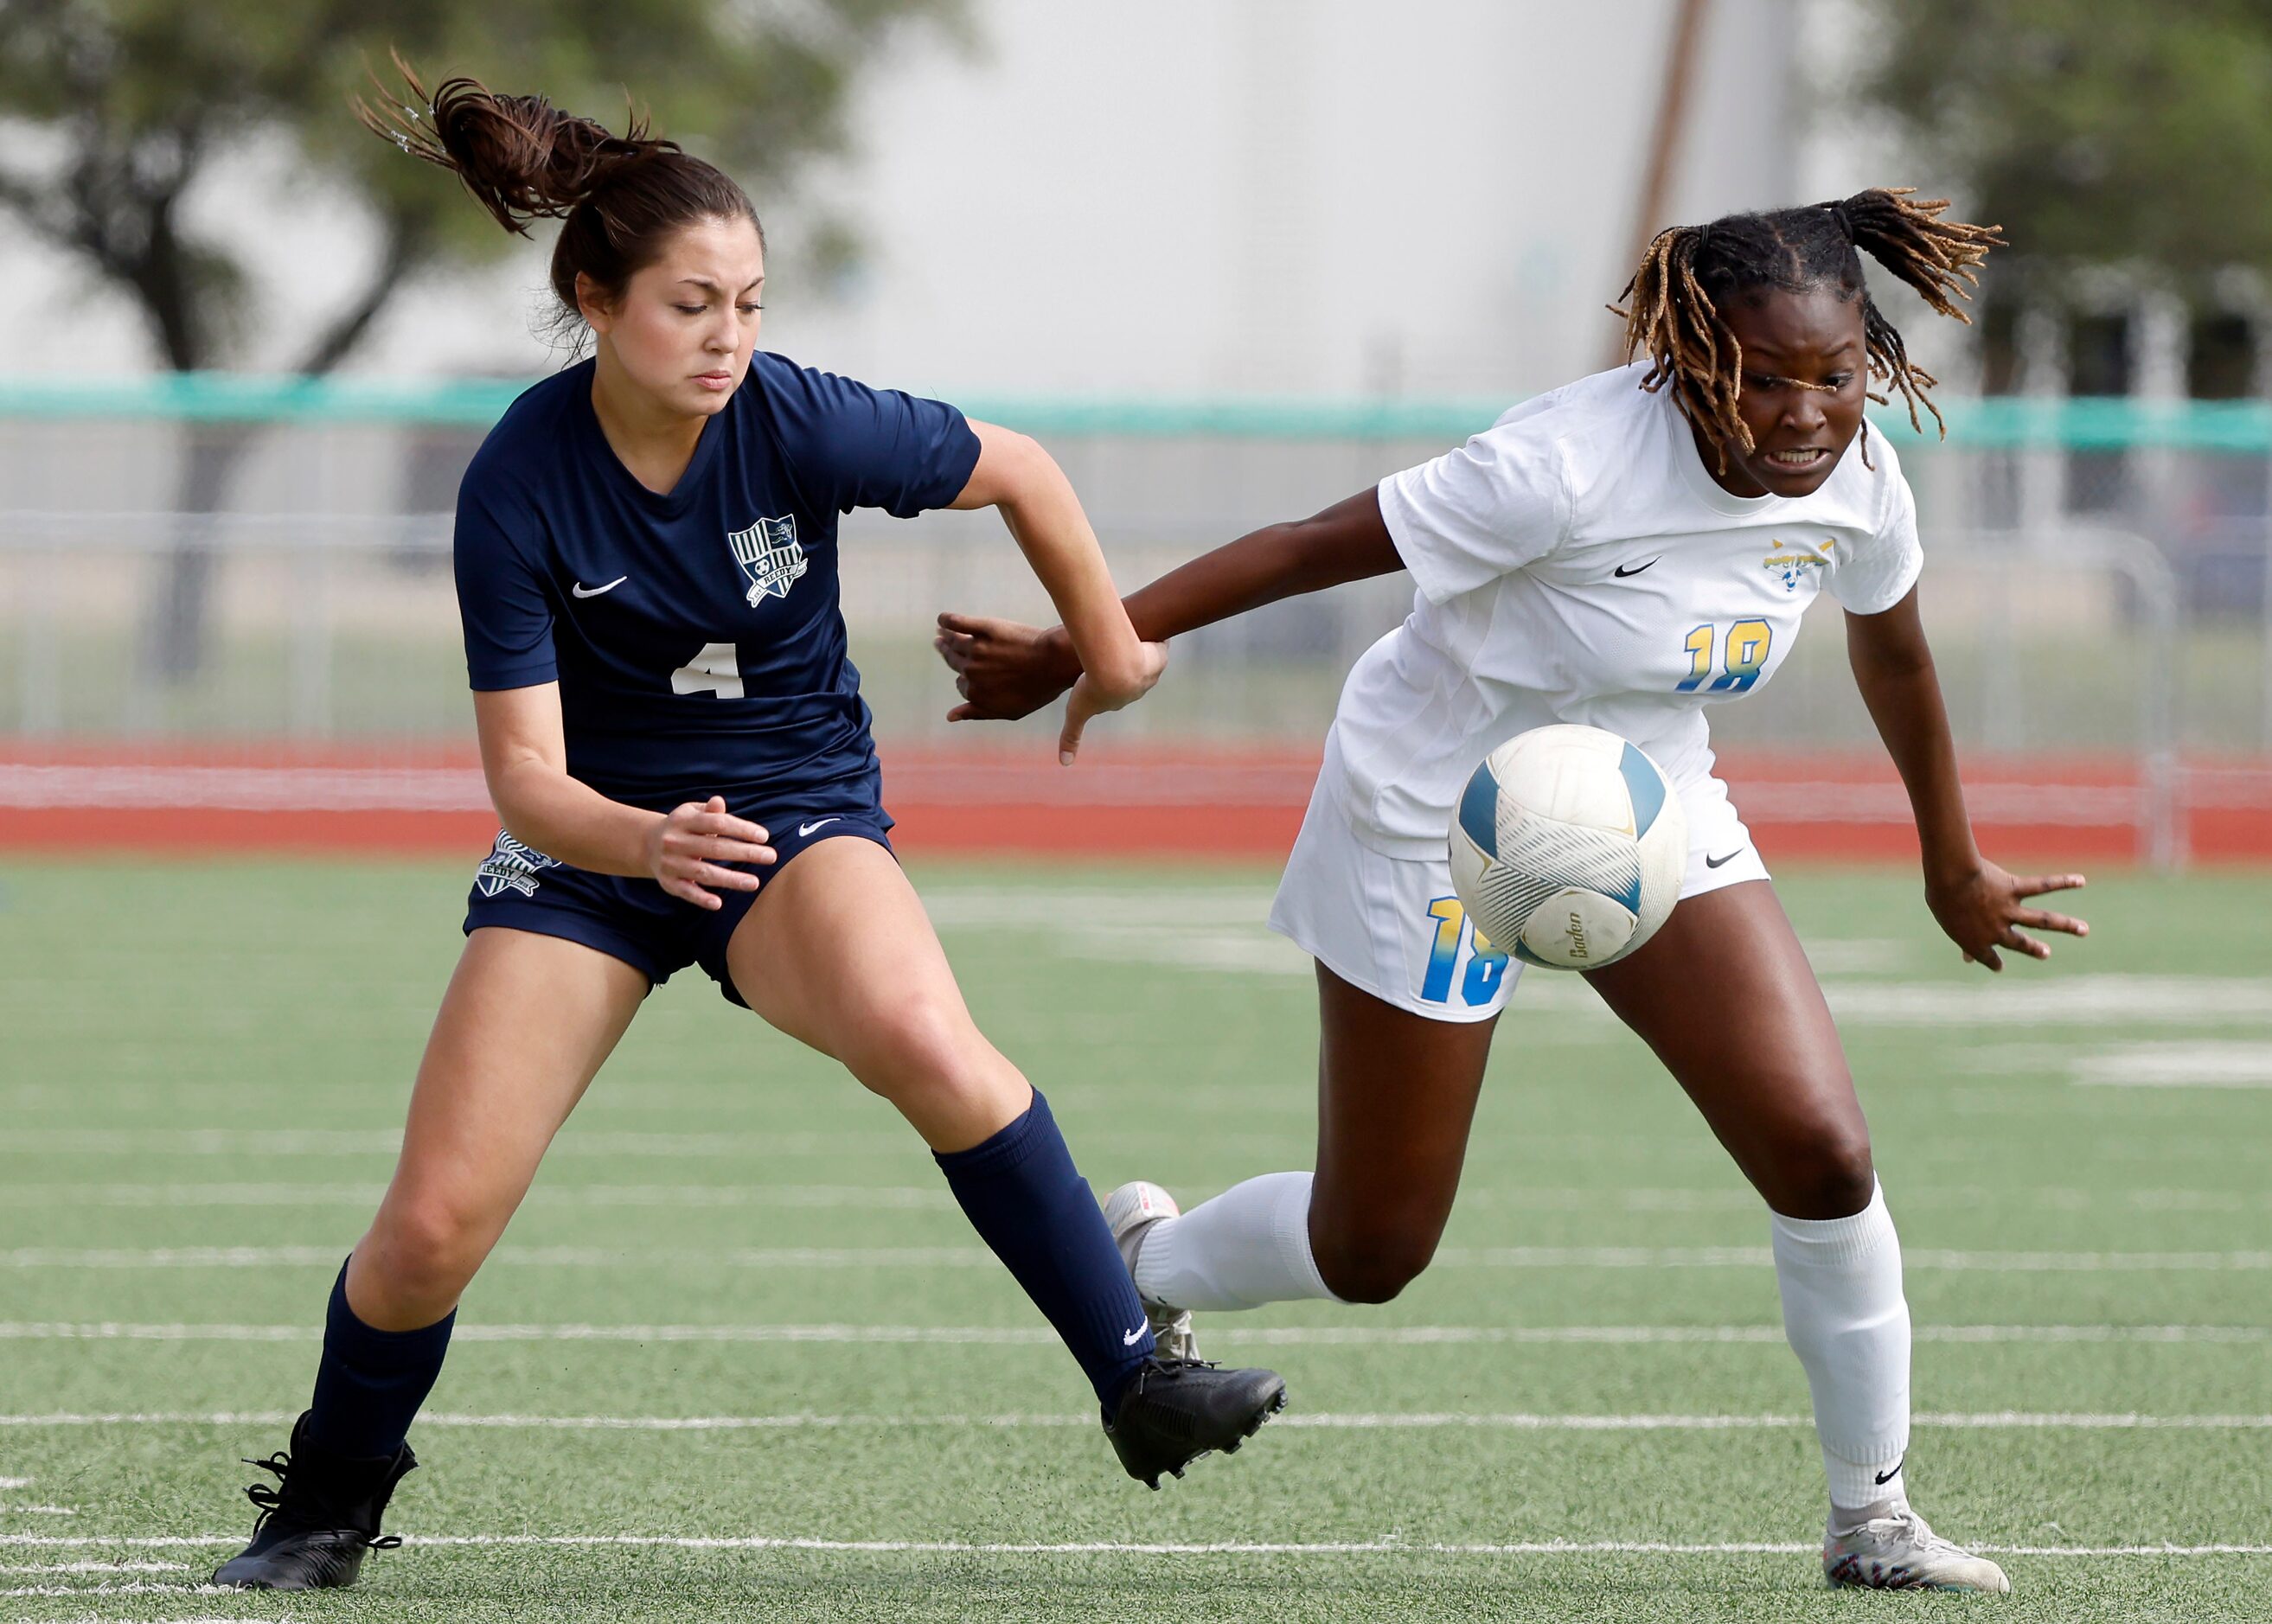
x,y
580,590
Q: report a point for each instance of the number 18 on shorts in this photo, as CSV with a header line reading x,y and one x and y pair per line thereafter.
x,y
1389,926
1462,965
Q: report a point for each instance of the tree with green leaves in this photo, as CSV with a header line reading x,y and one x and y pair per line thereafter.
x,y
122,106
2094,131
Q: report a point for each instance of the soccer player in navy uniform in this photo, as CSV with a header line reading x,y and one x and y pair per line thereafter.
x,y
678,751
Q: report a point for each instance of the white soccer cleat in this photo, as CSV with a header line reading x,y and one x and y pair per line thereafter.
x,y
1892,1549
1129,1211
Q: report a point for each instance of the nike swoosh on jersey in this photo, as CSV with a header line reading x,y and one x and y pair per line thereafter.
x,y
1714,862
1621,571
580,590
804,829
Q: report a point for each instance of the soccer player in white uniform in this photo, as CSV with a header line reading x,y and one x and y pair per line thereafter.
x,y
1624,552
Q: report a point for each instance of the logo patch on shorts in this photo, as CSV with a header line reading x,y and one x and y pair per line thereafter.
x,y
510,866
771,556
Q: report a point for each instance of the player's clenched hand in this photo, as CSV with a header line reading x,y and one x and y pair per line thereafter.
x,y
1985,911
1002,669
684,851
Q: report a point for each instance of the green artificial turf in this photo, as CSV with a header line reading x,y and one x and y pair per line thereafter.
x,y
202,1066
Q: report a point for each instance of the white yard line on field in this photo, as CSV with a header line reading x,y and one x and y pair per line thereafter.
x,y
1215,931
2000,1421
1905,1197
132,1587
978,1258
374,1141
2175,1065
532,1257
575,1142
1868,999
1107,1547
1541,1198
1919,1258
1032,1336
1661,1140
364,1195
2062,1002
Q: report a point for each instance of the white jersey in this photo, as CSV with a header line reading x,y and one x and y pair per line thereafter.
x,y
1576,563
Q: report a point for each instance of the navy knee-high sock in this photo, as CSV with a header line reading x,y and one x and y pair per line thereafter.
x,y
371,1382
1027,1200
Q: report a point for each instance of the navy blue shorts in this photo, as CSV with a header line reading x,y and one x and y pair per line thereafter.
x,y
636,919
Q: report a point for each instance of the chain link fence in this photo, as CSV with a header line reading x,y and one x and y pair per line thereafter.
x,y
216,579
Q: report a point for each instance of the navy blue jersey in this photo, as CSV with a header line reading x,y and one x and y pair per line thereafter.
x,y
697,638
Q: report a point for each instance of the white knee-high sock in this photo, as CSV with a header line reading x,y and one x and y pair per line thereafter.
x,y
1249,1246
1843,1311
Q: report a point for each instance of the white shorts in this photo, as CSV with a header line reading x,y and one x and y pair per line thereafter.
x,y
1394,927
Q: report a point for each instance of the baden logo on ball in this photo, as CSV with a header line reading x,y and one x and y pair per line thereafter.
x,y
1568,848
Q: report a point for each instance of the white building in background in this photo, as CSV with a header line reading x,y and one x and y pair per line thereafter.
x,y
1294,197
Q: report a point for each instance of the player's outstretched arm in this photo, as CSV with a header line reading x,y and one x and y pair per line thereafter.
x,y
525,760
1112,667
1982,908
1005,670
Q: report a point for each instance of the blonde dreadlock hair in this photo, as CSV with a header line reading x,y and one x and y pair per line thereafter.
x,y
1672,304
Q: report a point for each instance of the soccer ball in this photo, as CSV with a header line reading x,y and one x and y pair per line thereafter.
x,y
1568,848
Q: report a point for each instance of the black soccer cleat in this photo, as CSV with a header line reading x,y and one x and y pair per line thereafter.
x,y
1178,1409
318,1521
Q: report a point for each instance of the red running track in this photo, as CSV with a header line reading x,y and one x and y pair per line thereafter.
x,y
1122,801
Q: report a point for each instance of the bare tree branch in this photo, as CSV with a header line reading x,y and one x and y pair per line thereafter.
x,y
406,249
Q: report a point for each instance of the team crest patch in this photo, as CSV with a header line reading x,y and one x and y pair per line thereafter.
x,y
1792,567
510,866
771,556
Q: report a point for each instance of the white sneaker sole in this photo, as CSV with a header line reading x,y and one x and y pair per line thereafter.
x,y
1967,1575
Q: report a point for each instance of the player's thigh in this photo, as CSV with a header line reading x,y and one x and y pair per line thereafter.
x,y
526,1023
838,952
1724,995
1396,1098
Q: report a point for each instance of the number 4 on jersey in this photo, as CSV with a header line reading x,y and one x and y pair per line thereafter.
x,y
716,669
1746,653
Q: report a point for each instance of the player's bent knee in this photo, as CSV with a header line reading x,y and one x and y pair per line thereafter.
x,y
424,1251
924,1048
1826,1174
1372,1268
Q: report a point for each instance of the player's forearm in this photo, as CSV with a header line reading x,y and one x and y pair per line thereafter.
x,y
1902,692
1349,541
1051,530
542,806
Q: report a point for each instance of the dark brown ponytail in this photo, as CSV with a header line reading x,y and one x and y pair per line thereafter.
x,y
618,198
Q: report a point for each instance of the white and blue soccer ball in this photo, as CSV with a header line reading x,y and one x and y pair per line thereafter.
x,y
1568,848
